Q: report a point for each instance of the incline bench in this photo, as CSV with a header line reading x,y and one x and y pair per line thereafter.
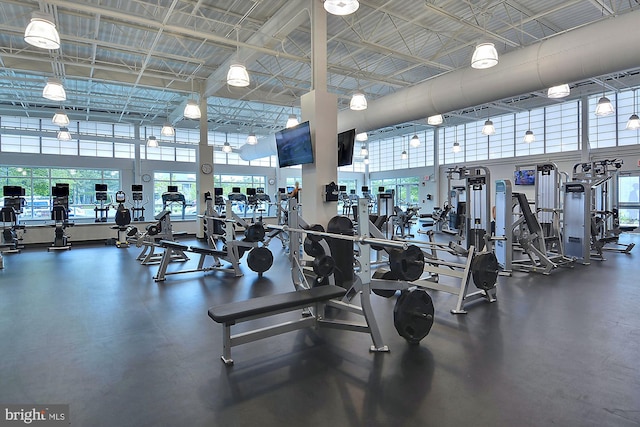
x,y
173,249
242,311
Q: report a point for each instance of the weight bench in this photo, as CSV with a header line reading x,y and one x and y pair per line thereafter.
x,y
255,308
174,249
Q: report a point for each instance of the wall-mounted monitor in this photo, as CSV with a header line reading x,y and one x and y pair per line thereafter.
x,y
294,145
346,141
525,177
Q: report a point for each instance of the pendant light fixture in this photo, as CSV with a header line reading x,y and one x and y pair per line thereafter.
x,y
456,145
64,134
488,128
634,122
292,120
60,118
237,76
341,7
559,91
54,90
192,110
403,155
366,160
226,147
362,137
167,130
41,31
485,56
152,142
364,151
604,107
415,141
529,137
252,139
435,120
358,102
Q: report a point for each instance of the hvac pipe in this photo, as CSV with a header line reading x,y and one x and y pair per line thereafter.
x,y
594,50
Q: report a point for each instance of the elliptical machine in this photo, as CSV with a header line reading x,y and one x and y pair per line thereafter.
x,y
11,230
60,216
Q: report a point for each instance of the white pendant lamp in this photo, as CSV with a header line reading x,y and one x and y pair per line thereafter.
x,y
152,142
41,32
366,160
358,102
191,110
415,141
54,90
167,130
488,128
292,121
238,76
529,137
341,7
227,147
252,139
604,107
456,147
361,137
634,122
404,155
485,56
60,118
435,120
364,151
559,91
64,134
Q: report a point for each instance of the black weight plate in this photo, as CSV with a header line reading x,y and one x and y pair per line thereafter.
x,y
484,270
260,259
324,265
407,264
381,273
312,248
254,233
313,237
413,315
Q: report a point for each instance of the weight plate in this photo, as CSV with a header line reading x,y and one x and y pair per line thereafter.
x,y
260,259
324,265
312,248
313,237
413,315
484,270
407,264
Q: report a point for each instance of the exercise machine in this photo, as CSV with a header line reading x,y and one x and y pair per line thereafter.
x,y
123,219
102,208
60,216
173,196
137,209
12,231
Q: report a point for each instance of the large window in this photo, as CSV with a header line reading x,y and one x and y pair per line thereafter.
x,y
186,185
37,183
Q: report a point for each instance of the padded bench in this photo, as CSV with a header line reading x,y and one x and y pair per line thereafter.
x,y
242,311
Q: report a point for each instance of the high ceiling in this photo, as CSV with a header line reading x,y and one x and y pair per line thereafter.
x,y
139,61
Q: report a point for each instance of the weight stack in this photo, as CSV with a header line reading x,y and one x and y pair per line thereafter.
x,y
342,250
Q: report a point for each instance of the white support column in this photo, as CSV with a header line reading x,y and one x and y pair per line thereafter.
x,y
320,108
585,148
205,155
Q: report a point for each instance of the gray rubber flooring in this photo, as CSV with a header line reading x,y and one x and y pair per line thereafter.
x,y
89,327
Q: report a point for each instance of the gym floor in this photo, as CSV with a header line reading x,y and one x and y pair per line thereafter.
x,y
89,327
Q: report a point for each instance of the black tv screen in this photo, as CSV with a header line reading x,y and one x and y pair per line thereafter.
x,y
294,145
525,177
346,141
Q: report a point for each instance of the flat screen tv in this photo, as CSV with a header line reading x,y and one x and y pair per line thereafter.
x,y
294,145
346,141
525,177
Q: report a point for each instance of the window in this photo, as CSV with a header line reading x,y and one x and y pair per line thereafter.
x,y
186,183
